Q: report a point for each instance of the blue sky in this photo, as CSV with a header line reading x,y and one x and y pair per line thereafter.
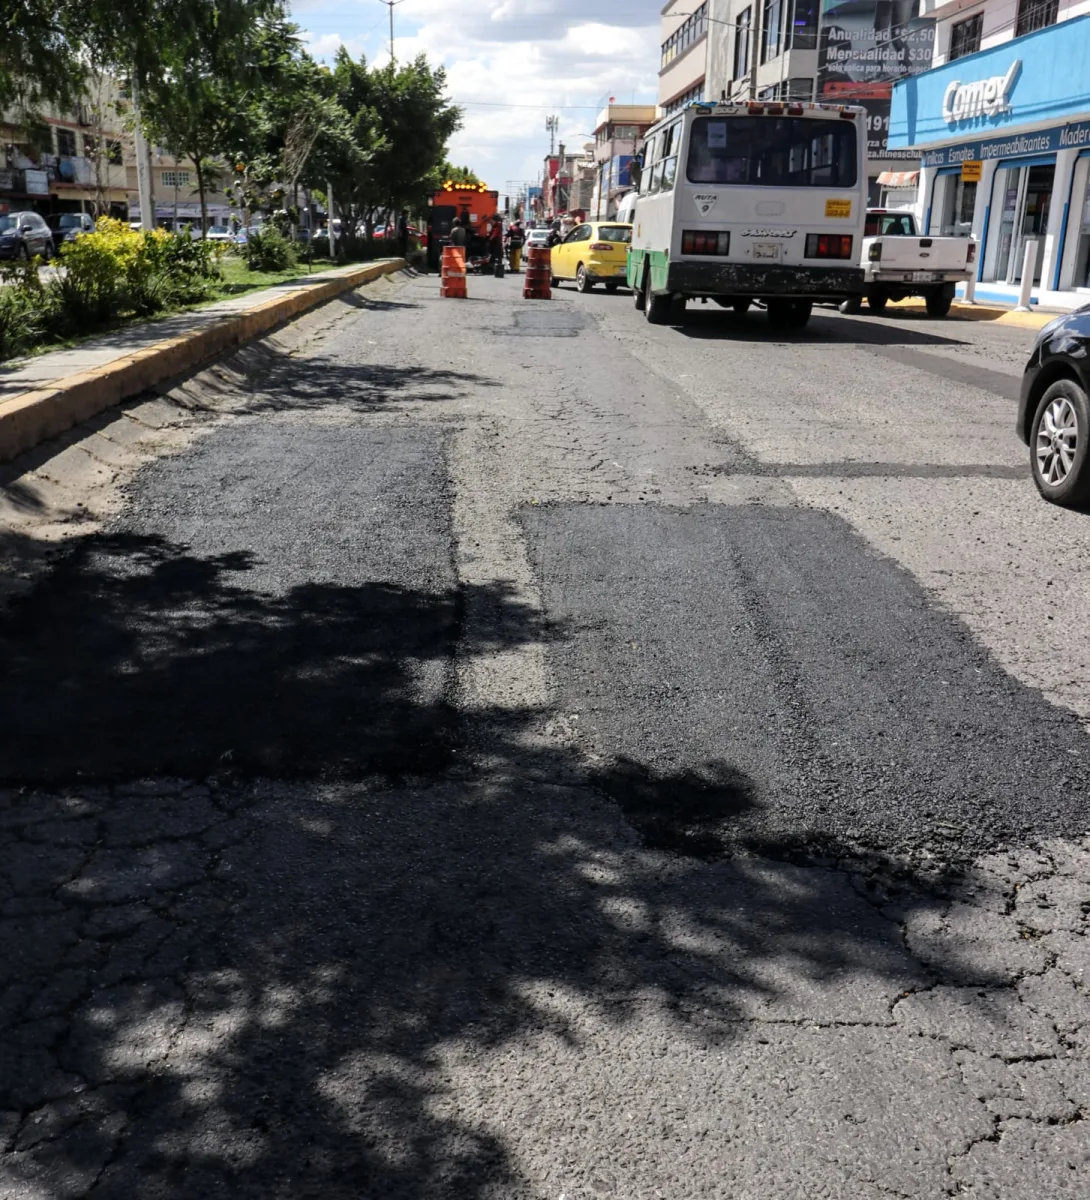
x,y
509,62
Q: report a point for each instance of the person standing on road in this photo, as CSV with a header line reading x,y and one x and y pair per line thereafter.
x,y
403,234
516,239
495,241
458,234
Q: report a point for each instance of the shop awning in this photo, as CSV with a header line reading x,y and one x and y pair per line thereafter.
x,y
899,179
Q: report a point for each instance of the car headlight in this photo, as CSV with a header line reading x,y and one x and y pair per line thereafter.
x,y
1046,331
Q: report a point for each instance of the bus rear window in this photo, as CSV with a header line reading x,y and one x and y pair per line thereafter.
x,y
773,152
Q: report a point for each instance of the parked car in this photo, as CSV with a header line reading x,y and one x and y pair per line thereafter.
x,y
539,237
219,233
594,252
1054,410
66,227
898,263
24,235
245,233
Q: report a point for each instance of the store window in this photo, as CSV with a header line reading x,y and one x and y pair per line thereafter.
x,y
958,204
742,44
1025,198
965,36
1035,14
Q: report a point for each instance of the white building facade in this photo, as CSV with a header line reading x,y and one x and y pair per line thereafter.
x,y
1001,125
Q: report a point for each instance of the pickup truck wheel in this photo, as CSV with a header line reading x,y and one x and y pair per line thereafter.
x,y
789,314
851,306
1060,445
938,302
877,300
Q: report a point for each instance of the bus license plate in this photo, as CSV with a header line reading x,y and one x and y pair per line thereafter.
x,y
767,250
922,277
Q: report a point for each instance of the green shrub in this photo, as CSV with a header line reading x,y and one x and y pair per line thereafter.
x,y
268,250
24,311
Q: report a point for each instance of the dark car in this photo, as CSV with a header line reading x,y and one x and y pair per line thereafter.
x,y
66,227
1054,410
23,235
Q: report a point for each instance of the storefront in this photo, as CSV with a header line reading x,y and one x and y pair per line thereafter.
x,y
1004,144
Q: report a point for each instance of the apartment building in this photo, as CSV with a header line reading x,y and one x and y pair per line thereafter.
x,y
1002,128
67,161
618,132
841,51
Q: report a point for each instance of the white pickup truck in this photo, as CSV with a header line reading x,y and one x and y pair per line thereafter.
x,y
898,262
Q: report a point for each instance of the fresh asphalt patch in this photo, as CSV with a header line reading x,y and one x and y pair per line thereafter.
x,y
281,600
766,679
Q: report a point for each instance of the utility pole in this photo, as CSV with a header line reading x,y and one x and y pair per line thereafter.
x,y
143,164
757,25
391,5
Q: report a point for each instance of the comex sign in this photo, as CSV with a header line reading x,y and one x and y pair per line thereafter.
x,y
982,98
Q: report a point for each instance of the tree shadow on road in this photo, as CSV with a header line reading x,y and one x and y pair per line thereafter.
x,y
256,980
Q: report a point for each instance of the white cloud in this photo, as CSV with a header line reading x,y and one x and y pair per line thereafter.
x,y
513,62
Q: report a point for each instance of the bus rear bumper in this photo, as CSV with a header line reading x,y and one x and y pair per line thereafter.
x,y
758,283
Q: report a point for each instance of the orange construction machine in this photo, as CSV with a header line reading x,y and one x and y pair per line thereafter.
x,y
475,205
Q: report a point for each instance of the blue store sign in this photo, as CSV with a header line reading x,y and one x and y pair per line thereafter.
x,y
1044,76
1015,145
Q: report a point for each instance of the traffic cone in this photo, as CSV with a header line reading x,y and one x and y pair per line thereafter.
x,y
452,273
537,281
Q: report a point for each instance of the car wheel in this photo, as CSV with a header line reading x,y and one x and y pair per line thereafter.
x,y
740,305
851,306
554,282
1059,445
877,300
656,309
789,314
612,286
583,281
938,302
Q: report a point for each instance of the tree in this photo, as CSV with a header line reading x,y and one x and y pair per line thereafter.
x,y
48,44
461,175
197,109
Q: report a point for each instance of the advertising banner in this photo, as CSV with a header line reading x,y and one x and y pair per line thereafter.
x,y
864,48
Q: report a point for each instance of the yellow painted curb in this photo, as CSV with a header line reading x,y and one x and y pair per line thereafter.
x,y
982,312
32,417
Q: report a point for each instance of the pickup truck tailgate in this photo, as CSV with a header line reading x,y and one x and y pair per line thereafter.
x,y
924,254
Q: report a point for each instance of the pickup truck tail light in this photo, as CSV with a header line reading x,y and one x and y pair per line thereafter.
x,y
875,254
698,242
970,257
829,245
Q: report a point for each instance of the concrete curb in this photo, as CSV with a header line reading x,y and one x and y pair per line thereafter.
x,y
34,416
982,312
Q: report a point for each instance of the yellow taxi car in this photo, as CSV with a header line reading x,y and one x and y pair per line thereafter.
x,y
593,253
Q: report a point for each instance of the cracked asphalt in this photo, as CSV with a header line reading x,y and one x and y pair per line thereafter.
x,y
506,750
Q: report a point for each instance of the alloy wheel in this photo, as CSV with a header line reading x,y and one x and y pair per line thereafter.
x,y
1057,441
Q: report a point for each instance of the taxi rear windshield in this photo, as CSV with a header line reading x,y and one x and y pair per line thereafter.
x,y
773,152
614,233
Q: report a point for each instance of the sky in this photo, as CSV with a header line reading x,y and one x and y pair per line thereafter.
x,y
510,64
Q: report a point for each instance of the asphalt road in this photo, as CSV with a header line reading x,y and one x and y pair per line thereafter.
x,y
501,749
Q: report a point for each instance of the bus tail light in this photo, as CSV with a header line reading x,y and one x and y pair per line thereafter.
x,y
829,245
971,255
698,242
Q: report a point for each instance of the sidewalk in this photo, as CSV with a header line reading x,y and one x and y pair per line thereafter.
x,y
42,396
